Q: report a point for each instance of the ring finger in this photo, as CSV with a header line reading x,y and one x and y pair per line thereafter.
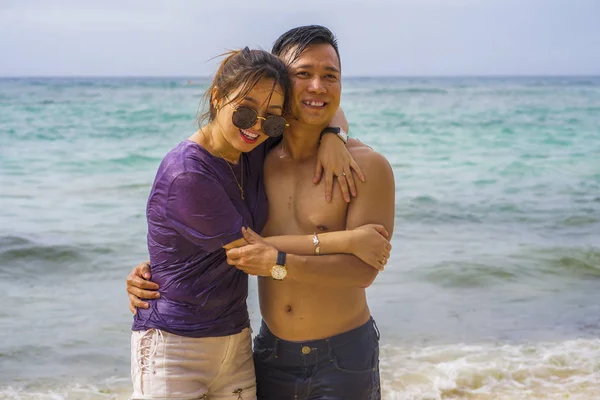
x,y
343,185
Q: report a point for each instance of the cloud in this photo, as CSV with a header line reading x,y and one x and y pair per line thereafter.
x,y
405,37
52,16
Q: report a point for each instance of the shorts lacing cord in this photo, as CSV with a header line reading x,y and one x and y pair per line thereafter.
x,y
146,348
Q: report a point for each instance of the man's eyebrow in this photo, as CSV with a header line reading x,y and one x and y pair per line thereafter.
x,y
254,101
309,66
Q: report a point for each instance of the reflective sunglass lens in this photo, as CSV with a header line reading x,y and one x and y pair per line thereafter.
x,y
244,117
274,126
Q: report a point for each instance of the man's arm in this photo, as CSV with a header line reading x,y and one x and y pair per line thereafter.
x,y
375,205
139,286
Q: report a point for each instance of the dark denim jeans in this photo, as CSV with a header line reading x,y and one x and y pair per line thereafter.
x,y
343,367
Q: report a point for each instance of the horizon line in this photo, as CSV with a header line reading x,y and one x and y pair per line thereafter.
x,y
345,77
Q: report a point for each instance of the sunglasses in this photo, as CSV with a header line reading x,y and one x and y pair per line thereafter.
x,y
245,117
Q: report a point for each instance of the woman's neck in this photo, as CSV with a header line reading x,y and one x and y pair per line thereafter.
x,y
211,137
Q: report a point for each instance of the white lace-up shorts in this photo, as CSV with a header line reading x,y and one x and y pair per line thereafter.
x,y
168,366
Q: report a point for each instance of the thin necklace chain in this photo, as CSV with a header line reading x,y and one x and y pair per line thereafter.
x,y
241,187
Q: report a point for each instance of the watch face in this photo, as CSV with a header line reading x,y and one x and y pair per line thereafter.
x,y
278,272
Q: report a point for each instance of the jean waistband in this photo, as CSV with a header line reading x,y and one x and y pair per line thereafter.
x,y
320,345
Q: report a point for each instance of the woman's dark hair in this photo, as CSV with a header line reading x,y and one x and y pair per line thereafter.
x,y
240,71
293,42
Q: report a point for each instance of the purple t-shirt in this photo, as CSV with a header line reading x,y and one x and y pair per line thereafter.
x,y
194,209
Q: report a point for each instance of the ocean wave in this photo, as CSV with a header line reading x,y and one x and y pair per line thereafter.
x,y
22,257
495,202
387,91
467,274
575,263
413,90
533,263
111,389
559,370
563,370
135,159
562,82
430,209
32,252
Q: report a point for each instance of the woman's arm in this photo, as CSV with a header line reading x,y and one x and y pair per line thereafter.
x,y
334,162
339,119
349,242
368,242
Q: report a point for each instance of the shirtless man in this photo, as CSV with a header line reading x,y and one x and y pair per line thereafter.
x,y
318,339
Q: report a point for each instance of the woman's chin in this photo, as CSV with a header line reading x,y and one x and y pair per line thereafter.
x,y
244,145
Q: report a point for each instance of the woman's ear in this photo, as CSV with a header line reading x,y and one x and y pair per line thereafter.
x,y
213,98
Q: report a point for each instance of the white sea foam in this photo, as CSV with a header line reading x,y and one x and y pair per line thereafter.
x,y
564,370
104,391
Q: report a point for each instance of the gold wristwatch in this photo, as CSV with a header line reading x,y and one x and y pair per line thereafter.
x,y
279,270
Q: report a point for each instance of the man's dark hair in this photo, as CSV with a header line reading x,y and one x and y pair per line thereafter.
x,y
298,39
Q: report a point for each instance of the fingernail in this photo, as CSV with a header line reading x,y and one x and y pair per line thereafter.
x,y
328,197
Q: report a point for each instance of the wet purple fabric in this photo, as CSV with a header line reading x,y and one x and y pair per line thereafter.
x,y
194,209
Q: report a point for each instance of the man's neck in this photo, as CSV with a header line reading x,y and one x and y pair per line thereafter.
x,y
301,141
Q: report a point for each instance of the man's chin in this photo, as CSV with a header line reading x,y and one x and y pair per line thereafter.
x,y
316,120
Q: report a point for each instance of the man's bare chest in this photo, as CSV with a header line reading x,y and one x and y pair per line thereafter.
x,y
297,206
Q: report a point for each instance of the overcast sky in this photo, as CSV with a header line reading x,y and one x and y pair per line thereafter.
x,y
376,37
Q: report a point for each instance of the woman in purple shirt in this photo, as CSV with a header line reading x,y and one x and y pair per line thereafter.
x,y
194,342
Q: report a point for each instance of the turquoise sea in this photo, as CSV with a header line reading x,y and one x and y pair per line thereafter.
x,y
493,288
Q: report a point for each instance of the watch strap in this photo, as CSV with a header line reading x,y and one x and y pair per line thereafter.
x,y
332,129
337,131
281,256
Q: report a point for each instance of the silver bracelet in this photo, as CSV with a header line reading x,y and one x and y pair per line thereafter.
x,y
316,243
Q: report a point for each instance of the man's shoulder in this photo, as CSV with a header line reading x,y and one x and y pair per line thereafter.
x,y
354,143
365,156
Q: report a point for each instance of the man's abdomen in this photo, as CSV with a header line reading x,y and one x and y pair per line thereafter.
x,y
297,312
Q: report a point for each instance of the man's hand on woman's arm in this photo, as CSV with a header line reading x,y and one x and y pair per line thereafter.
x,y
139,286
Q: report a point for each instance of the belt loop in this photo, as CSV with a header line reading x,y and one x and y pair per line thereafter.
x,y
376,328
276,348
